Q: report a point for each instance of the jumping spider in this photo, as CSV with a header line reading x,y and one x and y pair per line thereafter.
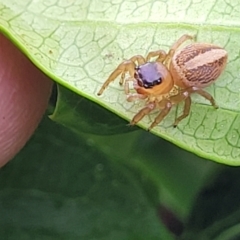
x,y
171,78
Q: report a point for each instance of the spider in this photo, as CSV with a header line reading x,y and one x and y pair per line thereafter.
x,y
171,78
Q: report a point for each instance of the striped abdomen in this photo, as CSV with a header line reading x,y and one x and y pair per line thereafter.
x,y
198,64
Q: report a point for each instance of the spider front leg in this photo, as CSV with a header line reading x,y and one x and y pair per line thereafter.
x,y
131,97
121,69
126,66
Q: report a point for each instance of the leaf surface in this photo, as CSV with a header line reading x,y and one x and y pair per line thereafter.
x,y
78,44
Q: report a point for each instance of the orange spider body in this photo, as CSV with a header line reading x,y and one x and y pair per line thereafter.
x,y
172,78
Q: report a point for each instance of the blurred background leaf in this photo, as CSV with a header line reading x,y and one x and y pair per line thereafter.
x,y
62,187
216,212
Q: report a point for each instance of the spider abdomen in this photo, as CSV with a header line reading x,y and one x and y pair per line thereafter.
x,y
198,64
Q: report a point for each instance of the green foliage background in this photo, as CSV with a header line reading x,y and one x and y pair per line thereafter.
x,y
91,176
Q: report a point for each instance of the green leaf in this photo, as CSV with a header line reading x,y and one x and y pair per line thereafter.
x,y
80,44
91,118
69,189
216,213
178,174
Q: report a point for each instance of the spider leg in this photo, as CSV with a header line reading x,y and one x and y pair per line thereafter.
x,y
126,84
165,57
185,113
139,59
206,95
126,66
175,46
121,69
181,40
184,95
160,54
131,97
162,114
142,113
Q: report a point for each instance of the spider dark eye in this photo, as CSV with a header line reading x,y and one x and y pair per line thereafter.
x,y
147,75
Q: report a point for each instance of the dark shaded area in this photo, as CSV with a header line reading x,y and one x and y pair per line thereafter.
x,y
80,114
60,186
170,220
53,97
217,207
